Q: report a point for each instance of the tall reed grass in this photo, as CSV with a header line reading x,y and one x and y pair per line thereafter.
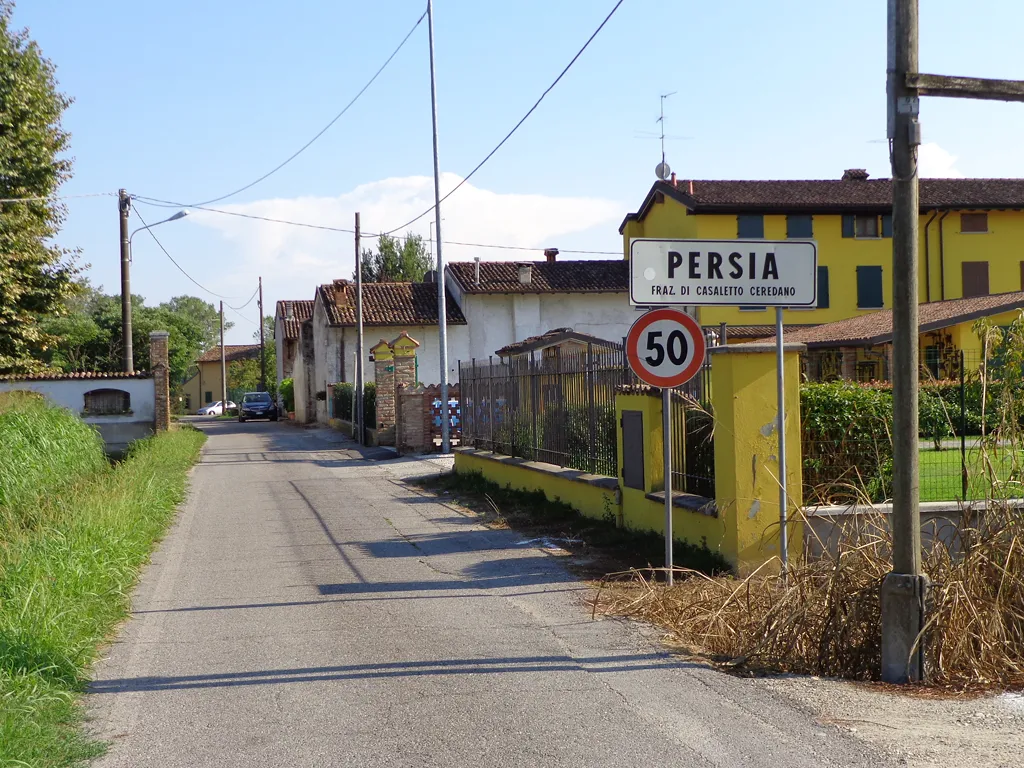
x,y
74,532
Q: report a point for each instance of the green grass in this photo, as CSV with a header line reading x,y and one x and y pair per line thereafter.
x,y
74,531
941,473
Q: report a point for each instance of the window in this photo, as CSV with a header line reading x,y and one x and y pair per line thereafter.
x,y
104,402
866,226
869,288
822,287
800,225
886,225
208,397
750,226
973,222
975,278
861,225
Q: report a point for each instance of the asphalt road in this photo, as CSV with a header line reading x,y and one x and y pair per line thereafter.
x,y
310,609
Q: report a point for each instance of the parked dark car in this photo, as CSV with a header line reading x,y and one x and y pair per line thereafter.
x,y
257,405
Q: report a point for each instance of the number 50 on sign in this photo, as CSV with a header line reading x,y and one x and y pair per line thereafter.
x,y
665,347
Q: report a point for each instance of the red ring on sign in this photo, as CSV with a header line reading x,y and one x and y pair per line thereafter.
x,y
633,342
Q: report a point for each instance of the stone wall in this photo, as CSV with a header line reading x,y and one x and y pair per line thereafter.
x,y
159,364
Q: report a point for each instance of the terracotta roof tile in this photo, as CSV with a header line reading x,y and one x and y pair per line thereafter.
x,y
387,304
62,376
301,309
232,352
580,276
876,327
831,195
553,337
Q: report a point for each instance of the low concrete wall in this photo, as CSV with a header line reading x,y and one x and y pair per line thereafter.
x,y
117,430
594,496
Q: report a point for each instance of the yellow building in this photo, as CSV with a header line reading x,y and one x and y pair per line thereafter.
x,y
972,237
204,386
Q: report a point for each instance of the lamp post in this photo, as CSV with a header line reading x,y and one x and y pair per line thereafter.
x,y
124,206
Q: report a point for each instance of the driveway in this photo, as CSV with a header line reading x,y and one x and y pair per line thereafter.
x,y
311,609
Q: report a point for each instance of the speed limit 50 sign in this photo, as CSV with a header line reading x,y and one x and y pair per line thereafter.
x,y
665,347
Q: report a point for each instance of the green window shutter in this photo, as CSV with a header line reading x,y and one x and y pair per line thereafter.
x,y
886,225
750,226
869,288
800,225
848,225
823,300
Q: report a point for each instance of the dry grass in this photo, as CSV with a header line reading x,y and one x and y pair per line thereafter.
x,y
824,618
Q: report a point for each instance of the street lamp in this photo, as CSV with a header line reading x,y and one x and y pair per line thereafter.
x,y
124,208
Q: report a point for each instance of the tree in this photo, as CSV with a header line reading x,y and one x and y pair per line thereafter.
x,y
36,277
395,261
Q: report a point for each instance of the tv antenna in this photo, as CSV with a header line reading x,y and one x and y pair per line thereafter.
x,y
662,169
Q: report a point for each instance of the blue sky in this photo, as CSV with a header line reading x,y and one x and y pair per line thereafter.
x,y
189,100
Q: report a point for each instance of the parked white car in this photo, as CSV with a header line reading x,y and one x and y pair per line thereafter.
x,y
215,409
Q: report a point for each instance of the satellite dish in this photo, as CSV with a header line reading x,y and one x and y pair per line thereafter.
x,y
662,170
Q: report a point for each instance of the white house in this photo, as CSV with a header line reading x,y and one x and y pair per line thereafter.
x,y
506,302
327,356
289,315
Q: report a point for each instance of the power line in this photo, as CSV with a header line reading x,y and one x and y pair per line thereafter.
x,y
241,315
172,204
521,121
247,303
323,130
168,255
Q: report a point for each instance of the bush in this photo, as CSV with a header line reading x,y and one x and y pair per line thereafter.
x,y
287,390
934,416
370,404
344,393
847,442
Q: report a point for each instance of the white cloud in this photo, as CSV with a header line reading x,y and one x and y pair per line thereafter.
x,y
935,162
293,260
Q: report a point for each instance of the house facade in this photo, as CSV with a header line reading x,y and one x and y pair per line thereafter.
x,y
327,353
505,302
288,317
204,386
972,236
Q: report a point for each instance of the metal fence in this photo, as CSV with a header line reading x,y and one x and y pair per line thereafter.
x,y
558,406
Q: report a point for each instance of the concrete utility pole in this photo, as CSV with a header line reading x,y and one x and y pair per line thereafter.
x,y
223,366
904,590
124,207
442,312
357,402
263,348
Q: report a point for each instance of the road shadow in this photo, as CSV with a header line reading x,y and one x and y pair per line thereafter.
x,y
500,665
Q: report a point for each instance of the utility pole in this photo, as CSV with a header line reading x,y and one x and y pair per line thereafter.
x,y
904,590
124,207
442,316
263,348
357,403
223,366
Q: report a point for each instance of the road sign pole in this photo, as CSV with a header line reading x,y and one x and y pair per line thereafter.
x,y
666,429
783,496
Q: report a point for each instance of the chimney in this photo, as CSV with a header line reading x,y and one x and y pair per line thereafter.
x,y
526,273
691,187
855,174
289,311
476,271
341,294
551,254
674,179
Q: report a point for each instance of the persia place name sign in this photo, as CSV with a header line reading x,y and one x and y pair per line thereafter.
x,y
762,273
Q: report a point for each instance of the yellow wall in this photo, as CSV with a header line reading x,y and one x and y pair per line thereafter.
x,y
207,380
1002,247
746,454
642,514
589,500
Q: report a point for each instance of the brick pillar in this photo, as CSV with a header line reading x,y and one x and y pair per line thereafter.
x,y
849,369
160,368
384,375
